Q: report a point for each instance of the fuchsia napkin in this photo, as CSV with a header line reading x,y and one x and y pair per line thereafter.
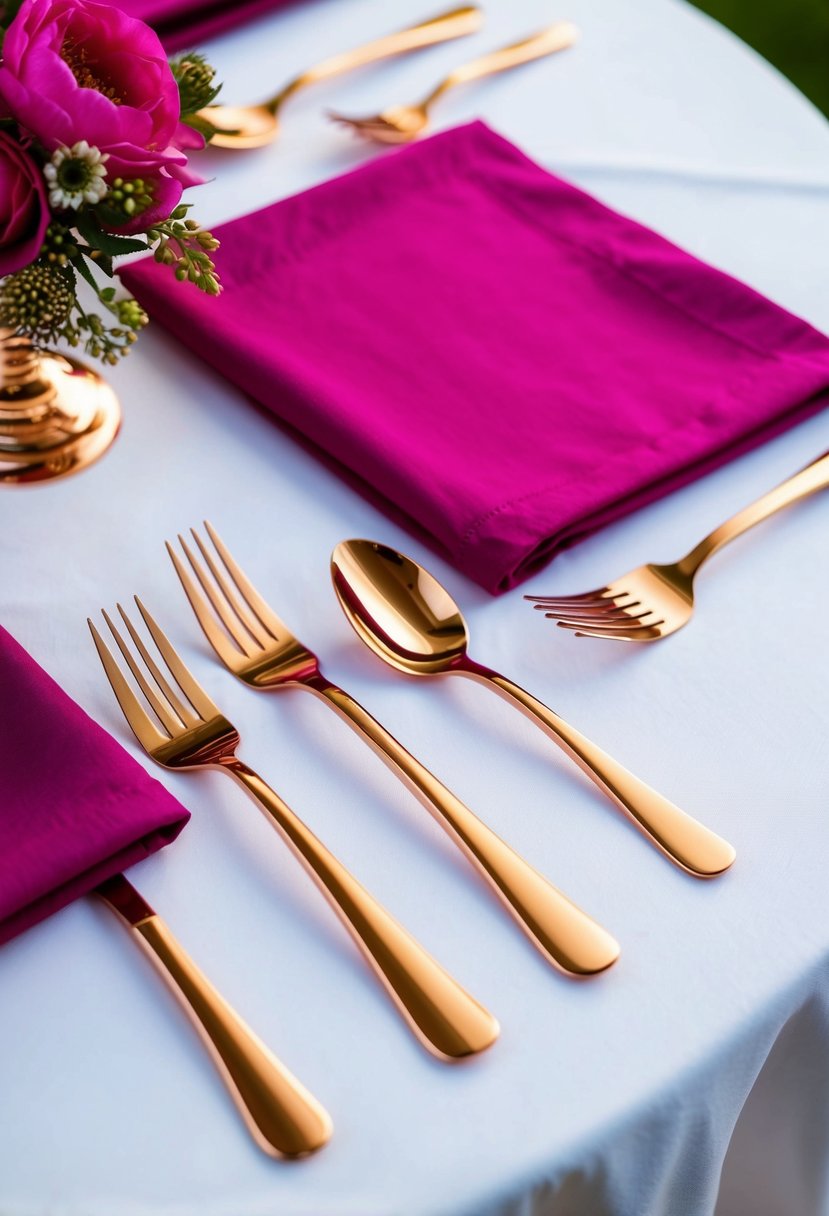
x,y
74,807
501,361
185,24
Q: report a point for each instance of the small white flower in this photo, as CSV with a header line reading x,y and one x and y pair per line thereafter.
x,y
76,175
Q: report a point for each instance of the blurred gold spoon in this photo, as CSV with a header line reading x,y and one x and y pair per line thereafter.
x,y
256,125
400,124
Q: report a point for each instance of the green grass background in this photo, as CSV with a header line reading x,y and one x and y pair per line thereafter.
x,y
791,34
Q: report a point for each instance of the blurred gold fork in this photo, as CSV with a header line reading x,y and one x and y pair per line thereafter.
x,y
400,124
654,601
186,730
257,646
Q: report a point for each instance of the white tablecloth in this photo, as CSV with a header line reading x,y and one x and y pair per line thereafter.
x,y
693,1077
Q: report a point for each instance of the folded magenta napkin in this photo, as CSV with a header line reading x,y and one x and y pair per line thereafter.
x,y
497,358
185,24
75,808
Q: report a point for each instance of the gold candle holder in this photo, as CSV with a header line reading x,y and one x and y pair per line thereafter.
x,y
56,415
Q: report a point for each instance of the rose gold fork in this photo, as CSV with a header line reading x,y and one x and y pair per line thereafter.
x,y
654,601
401,124
258,647
183,729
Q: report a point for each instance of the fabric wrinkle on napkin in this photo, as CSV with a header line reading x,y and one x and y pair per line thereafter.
x,y
496,358
75,807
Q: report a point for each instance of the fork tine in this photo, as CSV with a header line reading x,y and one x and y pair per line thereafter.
x,y
244,638
192,690
230,590
587,597
143,727
275,626
632,632
220,642
183,711
599,621
161,710
599,616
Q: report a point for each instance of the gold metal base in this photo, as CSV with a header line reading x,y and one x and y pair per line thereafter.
x,y
56,415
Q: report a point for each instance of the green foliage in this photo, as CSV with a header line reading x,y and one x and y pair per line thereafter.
x,y
182,244
791,34
106,242
194,77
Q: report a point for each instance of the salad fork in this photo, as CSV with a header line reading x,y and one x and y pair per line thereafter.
x,y
401,124
180,727
654,601
257,646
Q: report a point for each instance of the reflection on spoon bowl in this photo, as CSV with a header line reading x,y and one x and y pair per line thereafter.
x,y
241,126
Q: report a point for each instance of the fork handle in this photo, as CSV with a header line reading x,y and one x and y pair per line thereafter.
x,y
441,1012
452,24
687,842
563,933
283,1118
554,38
808,481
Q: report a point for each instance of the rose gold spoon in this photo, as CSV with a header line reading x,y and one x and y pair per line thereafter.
x,y
407,618
256,125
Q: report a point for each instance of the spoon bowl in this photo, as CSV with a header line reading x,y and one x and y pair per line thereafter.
x,y
398,609
406,617
241,126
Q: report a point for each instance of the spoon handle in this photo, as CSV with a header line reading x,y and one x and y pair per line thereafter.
x,y
563,933
687,842
455,23
441,1012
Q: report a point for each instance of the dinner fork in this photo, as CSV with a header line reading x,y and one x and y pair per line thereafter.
x,y
653,601
283,1118
257,646
184,729
400,124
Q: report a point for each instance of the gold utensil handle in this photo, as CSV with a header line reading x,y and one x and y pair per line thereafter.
x,y
283,1118
808,481
441,1012
565,934
689,843
452,24
555,38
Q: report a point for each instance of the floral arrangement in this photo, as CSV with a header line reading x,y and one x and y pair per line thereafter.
x,y
95,125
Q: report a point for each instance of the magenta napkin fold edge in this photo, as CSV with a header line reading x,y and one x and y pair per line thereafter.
x,y
761,369
75,807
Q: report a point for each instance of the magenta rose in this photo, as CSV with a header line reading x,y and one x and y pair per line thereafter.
x,y
75,70
24,215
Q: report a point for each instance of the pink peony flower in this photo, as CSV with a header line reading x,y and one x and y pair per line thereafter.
x,y
24,215
76,70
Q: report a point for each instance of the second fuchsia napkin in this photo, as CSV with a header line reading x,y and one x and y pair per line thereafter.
x,y
499,360
185,24
75,808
